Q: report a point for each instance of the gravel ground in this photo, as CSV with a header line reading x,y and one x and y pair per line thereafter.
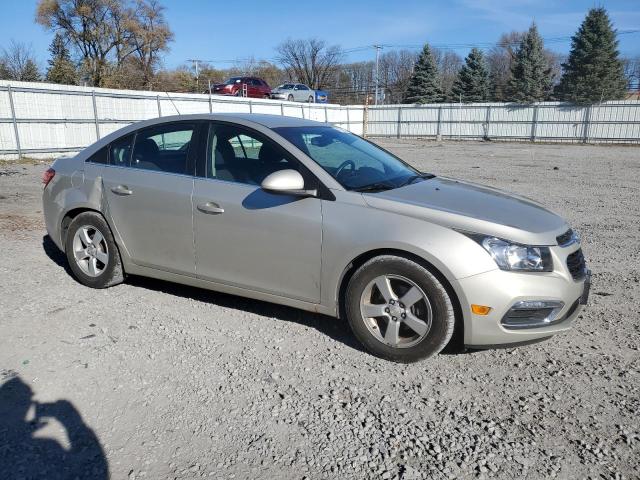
x,y
166,381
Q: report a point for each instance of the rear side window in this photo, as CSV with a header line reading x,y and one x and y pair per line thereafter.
x,y
163,148
120,151
101,156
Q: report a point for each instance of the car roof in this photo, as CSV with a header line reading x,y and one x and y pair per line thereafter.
x,y
265,120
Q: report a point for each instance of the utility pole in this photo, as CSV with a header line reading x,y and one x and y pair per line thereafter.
x,y
196,63
378,48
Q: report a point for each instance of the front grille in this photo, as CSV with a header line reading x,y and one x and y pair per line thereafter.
x,y
577,264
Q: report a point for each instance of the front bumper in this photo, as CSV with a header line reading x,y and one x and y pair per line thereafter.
x,y
279,96
501,290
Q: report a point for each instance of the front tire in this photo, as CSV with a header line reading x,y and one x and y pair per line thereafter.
x,y
92,252
398,309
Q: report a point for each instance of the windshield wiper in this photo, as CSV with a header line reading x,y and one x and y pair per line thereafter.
x,y
374,187
413,178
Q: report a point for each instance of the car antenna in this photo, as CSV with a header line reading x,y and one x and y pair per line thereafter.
x,y
171,100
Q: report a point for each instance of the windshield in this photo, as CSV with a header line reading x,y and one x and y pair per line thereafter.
x,y
286,86
354,162
233,80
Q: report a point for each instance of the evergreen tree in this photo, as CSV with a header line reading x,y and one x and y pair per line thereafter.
x,y
31,72
593,71
61,68
531,79
472,83
424,86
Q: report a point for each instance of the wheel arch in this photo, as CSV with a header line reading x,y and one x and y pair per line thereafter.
x,y
457,340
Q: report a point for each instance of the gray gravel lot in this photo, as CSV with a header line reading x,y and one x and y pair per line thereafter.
x,y
177,382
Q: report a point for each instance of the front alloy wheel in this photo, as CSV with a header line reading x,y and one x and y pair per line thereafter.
x,y
398,309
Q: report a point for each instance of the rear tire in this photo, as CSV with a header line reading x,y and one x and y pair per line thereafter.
x,y
310,99
398,309
92,252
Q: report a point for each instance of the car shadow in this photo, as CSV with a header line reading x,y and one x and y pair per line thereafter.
x,y
332,327
26,453
335,328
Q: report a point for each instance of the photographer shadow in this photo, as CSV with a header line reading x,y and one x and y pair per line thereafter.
x,y
25,455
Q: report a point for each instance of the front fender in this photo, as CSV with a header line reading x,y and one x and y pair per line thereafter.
x,y
351,230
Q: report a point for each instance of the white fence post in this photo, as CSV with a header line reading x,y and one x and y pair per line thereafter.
x,y
438,129
534,123
587,120
15,123
487,121
159,107
95,114
399,122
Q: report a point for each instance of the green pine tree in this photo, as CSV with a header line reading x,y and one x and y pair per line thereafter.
x,y
594,71
531,79
61,68
472,83
30,72
424,86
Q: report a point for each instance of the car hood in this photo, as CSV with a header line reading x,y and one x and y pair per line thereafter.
x,y
475,208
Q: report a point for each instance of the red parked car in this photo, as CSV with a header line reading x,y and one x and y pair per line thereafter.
x,y
243,86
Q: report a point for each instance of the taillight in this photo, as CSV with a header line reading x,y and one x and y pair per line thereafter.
x,y
48,175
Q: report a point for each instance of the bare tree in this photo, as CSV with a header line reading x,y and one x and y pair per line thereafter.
x,y
396,67
309,61
449,64
105,32
17,62
499,60
632,72
150,35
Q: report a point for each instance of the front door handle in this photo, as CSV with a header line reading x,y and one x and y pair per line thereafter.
x,y
122,190
211,208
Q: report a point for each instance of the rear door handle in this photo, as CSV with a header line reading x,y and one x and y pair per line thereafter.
x,y
122,190
211,208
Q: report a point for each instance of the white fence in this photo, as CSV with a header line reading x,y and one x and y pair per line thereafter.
x,y
41,120
609,122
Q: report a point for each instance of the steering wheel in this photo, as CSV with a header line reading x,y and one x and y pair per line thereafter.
x,y
344,165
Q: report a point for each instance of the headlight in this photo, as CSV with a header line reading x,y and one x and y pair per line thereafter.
x,y
513,256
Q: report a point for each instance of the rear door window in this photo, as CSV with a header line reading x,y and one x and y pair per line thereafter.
x,y
163,148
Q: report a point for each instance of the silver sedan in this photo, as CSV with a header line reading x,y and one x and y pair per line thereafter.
x,y
294,92
300,213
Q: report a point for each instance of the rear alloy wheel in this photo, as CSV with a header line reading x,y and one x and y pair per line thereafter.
x,y
310,99
92,253
398,309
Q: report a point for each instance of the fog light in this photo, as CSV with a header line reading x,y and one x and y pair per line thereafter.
x,y
480,309
532,314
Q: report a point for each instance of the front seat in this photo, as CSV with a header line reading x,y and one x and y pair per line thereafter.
x,y
270,160
146,154
227,166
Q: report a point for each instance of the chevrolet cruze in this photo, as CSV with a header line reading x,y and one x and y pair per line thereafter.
x,y
300,213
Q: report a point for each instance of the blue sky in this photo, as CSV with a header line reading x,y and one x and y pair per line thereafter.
x,y
220,31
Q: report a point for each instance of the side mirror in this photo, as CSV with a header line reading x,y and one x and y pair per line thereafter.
x,y
288,182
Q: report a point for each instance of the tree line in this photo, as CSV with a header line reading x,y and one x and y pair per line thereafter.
x,y
120,44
